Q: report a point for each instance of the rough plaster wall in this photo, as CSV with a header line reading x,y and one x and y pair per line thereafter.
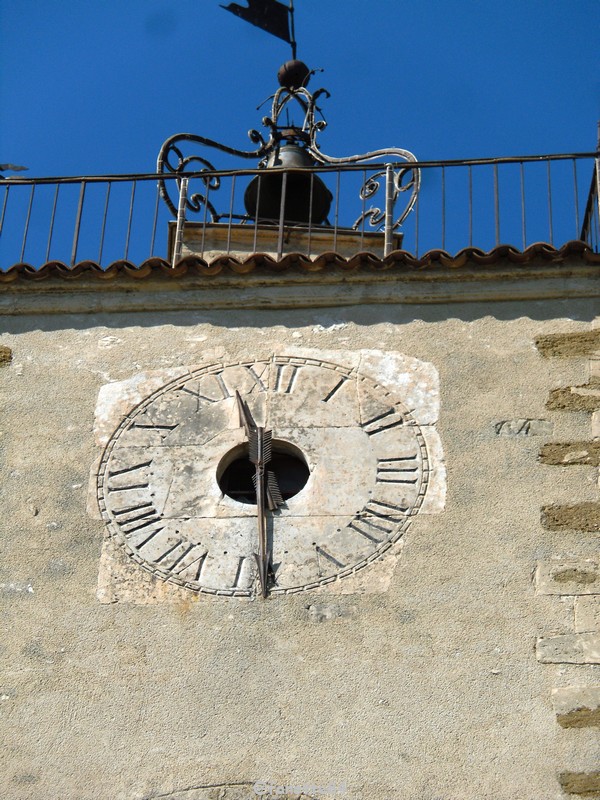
x,y
431,691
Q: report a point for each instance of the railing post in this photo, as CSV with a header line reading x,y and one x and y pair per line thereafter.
x,y
389,209
77,224
598,187
284,178
180,222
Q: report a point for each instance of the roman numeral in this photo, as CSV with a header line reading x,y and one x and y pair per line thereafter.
x,y
113,472
130,488
181,565
168,552
377,518
182,562
150,535
372,530
335,389
162,430
130,509
221,387
241,573
124,471
285,378
258,384
383,422
389,511
397,470
199,561
197,394
147,510
136,524
238,572
186,551
321,552
222,391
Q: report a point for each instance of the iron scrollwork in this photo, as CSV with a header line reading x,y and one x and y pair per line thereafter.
x,y
405,179
173,160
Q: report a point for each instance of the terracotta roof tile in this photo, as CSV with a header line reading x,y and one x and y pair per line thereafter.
x,y
399,260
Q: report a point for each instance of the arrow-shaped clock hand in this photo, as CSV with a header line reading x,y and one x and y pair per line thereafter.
x,y
246,419
265,484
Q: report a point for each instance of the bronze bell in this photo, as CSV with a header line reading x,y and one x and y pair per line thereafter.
x,y
298,206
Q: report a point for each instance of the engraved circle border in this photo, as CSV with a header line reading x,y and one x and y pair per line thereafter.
x,y
192,374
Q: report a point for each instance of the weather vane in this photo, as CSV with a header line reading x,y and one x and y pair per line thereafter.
x,y
272,16
286,186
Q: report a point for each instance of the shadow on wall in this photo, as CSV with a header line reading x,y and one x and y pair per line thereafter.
x,y
325,320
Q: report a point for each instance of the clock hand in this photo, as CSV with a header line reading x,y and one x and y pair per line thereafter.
x,y
260,454
244,413
265,485
273,492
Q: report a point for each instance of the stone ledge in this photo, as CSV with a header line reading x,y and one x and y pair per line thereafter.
x,y
156,287
577,707
568,577
569,648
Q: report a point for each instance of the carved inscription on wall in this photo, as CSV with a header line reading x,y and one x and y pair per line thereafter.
x,y
523,427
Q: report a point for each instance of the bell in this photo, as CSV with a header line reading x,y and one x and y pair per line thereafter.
x,y
299,208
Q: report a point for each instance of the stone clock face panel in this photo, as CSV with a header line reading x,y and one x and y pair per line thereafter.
x,y
365,457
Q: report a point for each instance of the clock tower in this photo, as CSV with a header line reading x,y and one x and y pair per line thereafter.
x,y
302,502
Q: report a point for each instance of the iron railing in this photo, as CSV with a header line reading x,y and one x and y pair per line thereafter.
x,y
471,203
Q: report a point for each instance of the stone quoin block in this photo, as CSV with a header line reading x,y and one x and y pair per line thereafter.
x,y
569,648
5,355
568,577
584,784
576,516
575,398
569,345
583,453
587,613
577,706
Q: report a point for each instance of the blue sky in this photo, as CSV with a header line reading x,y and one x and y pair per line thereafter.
x,y
93,88
96,88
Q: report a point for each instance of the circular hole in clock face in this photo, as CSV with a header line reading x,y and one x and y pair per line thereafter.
x,y
235,472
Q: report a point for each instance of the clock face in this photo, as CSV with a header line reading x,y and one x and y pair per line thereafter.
x,y
175,484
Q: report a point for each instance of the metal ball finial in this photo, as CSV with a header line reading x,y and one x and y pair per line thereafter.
x,y
293,74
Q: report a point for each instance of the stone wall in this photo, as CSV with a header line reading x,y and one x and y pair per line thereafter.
x,y
472,671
